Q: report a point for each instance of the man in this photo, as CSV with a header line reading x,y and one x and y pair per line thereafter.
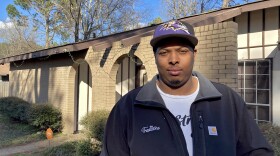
x,y
180,112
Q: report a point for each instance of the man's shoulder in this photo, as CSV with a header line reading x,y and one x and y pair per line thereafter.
x,y
227,91
222,87
129,97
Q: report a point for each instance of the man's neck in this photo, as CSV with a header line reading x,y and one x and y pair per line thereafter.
x,y
187,89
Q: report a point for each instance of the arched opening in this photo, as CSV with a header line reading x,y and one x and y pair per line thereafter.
x,y
130,75
83,93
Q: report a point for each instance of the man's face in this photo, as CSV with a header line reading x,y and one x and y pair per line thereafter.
x,y
174,60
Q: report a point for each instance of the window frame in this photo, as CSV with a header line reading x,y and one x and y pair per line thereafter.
x,y
242,89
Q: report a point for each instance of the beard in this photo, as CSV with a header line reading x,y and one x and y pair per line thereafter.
x,y
174,84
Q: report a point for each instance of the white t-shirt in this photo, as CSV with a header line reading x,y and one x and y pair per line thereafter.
x,y
180,106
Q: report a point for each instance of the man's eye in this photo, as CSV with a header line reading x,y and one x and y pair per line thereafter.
x,y
184,51
162,53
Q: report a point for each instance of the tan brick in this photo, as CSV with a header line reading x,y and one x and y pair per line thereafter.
x,y
209,33
216,31
231,66
220,25
211,54
202,28
197,29
230,57
224,44
199,46
212,62
219,58
212,45
218,67
216,26
227,62
210,27
215,36
225,24
228,53
206,27
203,42
231,48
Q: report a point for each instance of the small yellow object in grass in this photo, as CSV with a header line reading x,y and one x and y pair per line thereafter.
x,y
49,134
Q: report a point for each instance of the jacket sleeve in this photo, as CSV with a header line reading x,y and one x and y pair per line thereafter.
x,y
114,143
251,142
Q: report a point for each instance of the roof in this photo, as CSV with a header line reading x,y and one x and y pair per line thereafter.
x,y
133,36
4,69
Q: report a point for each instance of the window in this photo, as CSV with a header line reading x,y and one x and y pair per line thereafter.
x,y
254,84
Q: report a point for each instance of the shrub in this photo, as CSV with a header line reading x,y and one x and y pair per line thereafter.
x,y
95,123
85,148
272,134
41,116
15,108
45,116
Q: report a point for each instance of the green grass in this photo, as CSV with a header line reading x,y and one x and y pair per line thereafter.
x,y
68,148
16,133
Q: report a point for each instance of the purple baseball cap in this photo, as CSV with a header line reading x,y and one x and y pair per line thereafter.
x,y
174,28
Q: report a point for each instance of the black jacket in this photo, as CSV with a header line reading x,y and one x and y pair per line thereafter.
x,y
141,125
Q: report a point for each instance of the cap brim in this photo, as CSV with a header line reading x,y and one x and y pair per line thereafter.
x,y
190,38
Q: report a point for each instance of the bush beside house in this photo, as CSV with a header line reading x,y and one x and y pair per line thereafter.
x,y
94,126
45,116
41,116
272,134
15,108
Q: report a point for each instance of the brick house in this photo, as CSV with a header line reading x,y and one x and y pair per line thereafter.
x,y
237,46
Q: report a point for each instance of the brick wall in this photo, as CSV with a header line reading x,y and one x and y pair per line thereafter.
x,y
217,53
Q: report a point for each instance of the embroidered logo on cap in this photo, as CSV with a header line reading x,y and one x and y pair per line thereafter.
x,y
150,129
212,130
175,25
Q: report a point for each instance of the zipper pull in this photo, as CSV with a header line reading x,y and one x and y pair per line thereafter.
x,y
200,122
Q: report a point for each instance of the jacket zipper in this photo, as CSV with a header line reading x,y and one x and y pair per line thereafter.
x,y
197,131
201,133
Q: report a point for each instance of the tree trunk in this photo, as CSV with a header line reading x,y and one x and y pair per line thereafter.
x,y
77,21
47,43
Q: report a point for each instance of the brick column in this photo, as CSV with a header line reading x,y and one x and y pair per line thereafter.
x,y
217,52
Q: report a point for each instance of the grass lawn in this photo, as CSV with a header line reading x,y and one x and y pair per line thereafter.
x,y
16,133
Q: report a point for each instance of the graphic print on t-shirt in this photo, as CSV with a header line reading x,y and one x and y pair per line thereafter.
x,y
183,119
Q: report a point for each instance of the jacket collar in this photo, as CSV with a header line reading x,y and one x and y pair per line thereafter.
x,y
149,94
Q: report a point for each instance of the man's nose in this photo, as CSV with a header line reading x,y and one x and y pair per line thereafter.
x,y
174,58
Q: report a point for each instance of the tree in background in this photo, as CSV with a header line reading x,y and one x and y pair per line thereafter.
x,y
45,17
182,8
157,20
94,18
17,39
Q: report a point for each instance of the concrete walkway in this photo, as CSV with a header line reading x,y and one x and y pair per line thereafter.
x,y
40,145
